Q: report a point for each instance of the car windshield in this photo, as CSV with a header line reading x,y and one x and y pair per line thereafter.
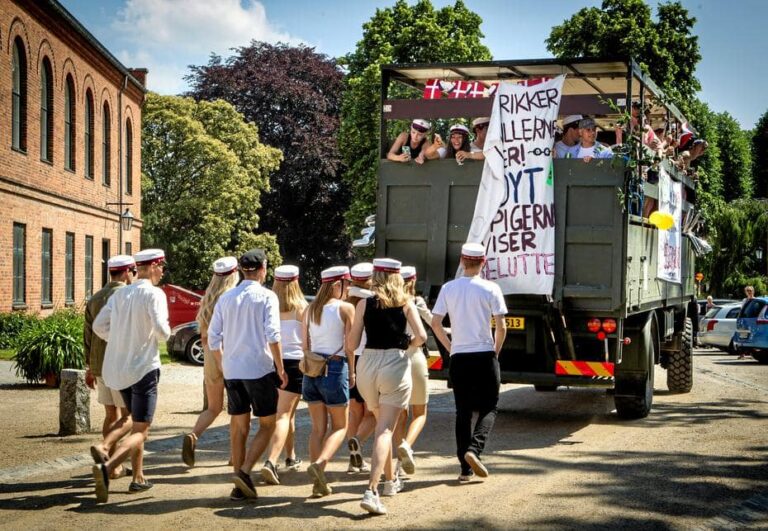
x,y
733,313
712,311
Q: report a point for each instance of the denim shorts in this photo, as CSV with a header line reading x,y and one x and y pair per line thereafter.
x,y
331,390
141,398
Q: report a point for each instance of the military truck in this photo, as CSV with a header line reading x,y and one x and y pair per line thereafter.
x,y
609,320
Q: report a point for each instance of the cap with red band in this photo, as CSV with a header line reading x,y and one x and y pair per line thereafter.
x,y
120,262
286,273
362,271
408,272
473,251
225,266
149,256
332,274
387,265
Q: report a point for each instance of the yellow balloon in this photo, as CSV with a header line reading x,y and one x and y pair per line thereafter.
x,y
662,220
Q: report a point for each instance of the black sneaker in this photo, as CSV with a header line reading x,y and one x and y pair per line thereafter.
x,y
135,486
244,482
355,455
292,464
269,473
236,495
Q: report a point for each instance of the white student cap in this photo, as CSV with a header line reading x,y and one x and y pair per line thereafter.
x,y
286,273
473,251
121,262
332,274
387,265
149,256
458,128
480,121
362,271
408,272
225,266
571,119
421,125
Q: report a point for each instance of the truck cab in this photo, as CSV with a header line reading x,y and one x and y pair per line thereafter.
x,y
610,317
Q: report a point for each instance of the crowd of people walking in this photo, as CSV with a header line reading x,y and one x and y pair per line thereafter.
x,y
354,355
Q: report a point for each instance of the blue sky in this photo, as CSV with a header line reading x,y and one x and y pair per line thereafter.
x,y
166,36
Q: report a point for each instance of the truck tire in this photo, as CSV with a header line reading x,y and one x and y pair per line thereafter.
x,y
680,364
639,405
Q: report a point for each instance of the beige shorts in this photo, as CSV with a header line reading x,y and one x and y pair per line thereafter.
x,y
107,395
384,377
211,373
420,377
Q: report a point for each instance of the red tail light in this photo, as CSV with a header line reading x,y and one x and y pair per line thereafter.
x,y
609,326
593,325
711,325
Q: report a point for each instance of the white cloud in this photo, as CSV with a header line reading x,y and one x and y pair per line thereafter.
x,y
165,36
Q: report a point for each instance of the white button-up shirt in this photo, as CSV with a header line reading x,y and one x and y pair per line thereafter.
x,y
245,320
133,322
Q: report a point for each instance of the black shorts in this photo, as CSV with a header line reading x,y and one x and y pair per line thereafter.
x,y
141,398
294,375
259,395
354,394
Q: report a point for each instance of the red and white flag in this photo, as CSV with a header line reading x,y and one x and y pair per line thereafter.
x,y
432,89
533,81
477,90
461,89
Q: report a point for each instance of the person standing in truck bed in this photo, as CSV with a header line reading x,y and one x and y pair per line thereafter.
x,y
471,301
411,145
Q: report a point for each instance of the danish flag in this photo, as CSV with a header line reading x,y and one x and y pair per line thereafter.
x,y
432,89
461,89
533,81
477,90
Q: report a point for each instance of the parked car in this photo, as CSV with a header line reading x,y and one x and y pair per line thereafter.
x,y
702,303
185,343
752,329
718,325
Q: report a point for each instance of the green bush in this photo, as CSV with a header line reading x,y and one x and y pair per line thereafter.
x,y
12,325
50,345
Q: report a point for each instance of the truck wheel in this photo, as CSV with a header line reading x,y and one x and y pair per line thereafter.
x,y
680,366
639,405
545,388
761,356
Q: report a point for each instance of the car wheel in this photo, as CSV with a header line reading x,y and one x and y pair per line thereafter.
x,y
761,356
731,348
195,352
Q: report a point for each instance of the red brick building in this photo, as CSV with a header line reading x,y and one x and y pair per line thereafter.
x,y
70,157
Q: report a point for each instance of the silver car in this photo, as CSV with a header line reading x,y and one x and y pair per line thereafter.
x,y
718,325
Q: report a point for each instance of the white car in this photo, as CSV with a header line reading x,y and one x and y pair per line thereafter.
x,y
718,325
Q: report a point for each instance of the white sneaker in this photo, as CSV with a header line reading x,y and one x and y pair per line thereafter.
x,y
365,468
372,503
405,454
390,488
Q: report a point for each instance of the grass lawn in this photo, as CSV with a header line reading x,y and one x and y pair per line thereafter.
x,y
7,354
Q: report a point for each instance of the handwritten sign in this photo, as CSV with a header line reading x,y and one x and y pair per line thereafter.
x,y
515,212
670,255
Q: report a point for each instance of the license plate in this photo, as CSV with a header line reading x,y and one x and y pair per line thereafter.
x,y
513,323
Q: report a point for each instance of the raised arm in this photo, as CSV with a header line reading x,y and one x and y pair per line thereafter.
x,y
394,153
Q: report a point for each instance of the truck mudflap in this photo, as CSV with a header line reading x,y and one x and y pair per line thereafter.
x,y
602,370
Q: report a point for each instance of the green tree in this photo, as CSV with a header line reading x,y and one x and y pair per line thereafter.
x,y
760,156
709,168
735,157
397,34
666,48
203,172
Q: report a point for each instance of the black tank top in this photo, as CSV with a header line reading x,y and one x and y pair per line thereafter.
x,y
415,151
384,327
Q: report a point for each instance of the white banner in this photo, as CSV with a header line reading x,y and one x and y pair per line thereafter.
x,y
670,254
515,210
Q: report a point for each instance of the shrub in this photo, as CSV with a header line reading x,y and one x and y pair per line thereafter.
x,y
12,325
50,345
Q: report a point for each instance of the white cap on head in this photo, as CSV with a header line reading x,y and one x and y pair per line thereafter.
x,y
362,271
121,262
571,119
421,125
225,266
149,256
286,273
363,293
332,274
458,128
408,272
480,121
387,265
473,251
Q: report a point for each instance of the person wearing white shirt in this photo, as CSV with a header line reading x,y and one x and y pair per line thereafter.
x,y
471,301
566,147
589,148
133,322
245,333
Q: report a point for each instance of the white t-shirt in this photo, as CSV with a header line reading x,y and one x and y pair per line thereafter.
x,y
564,151
597,151
470,302
474,148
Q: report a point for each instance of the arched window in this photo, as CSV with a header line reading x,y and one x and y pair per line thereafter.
x,y
88,137
106,146
69,124
128,157
46,111
19,96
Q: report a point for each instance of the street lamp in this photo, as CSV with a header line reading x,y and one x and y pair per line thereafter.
x,y
759,253
126,220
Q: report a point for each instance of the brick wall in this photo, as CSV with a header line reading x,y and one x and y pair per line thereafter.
x,y
46,195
